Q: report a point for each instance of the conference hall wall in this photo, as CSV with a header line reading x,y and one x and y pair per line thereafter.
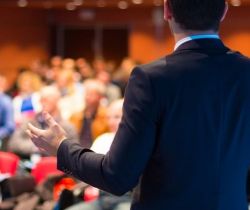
x,y
25,34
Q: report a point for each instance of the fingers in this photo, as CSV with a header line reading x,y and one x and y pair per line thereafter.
x,y
32,136
56,128
48,119
34,131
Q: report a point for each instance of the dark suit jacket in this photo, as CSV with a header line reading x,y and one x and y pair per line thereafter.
x,y
185,133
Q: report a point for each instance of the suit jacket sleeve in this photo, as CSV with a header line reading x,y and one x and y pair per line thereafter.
x,y
119,170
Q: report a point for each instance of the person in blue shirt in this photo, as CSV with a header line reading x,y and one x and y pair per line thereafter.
x,y
7,124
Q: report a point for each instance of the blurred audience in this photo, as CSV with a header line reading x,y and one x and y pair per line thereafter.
x,y
114,114
121,76
7,124
56,62
91,122
54,68
27,101
99,65
101,145
20,142
113,92
72,93
13,90
84,69
75,92
83,98
68,64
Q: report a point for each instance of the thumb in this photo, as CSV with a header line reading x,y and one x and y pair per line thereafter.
x,y
49,119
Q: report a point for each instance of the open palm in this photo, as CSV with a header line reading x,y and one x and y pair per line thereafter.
x,y
47,140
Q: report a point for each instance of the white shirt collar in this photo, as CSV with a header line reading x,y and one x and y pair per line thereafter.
x,y
193,37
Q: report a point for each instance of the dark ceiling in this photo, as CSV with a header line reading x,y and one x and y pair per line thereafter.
x,y
73,4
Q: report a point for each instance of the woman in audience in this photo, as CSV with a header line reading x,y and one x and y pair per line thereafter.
x,y
27,102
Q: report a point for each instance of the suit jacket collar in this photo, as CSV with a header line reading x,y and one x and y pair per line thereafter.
x,y
209,45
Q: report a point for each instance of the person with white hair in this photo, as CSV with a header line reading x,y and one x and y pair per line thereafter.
x,y
49,98
91,122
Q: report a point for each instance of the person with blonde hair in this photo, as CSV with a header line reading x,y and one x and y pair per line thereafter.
x,y
27,102
114,114
68,64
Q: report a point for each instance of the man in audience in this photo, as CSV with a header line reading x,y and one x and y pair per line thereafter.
x,y
113,92
99,65
121,76
20,143
84,69
92,121
72,93
54,68
6,115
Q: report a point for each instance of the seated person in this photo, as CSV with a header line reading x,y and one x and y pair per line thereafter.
x,y
6,115
20,142
72,92
113,91
27,101
91,122
101,145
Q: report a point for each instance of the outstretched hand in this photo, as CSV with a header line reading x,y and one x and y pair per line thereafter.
x,y
48,140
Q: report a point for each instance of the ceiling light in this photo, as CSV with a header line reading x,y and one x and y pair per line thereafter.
x,y
236,3
78,2
137,1
22,3
123,4
70,6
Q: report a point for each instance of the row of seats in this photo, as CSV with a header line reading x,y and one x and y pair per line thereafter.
x,y
9,163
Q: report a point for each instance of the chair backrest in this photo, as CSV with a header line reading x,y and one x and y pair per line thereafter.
x,y
8,162
46,166
91,194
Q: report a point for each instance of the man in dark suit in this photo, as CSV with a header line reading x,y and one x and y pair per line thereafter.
x,y
184,139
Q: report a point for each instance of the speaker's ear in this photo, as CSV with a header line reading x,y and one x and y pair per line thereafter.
x,y
225,12
167,11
